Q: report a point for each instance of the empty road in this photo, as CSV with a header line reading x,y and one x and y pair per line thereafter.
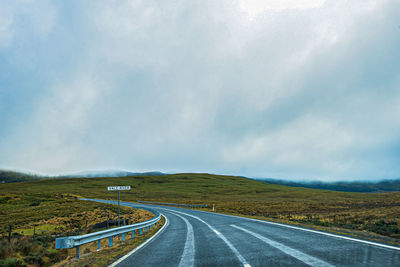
x,y
196,238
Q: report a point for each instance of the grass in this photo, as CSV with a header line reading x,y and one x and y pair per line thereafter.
x,y
37,218
377,213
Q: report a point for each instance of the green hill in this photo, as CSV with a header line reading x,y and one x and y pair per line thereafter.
x,y
13,176
374,212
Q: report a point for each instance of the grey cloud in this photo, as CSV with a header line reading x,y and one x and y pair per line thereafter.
x,y
309,93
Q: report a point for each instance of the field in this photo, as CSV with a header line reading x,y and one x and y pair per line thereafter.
x,y
377,214
30,222
238,195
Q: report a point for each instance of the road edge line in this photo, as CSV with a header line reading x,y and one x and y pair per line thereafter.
x,y
221,236
291,252
367,242
372,243
115,263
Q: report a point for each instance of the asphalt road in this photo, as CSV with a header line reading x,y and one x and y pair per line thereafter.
x,y
196,238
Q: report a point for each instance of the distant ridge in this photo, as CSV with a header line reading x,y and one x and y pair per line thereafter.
x,y
385,185
8,176
109,173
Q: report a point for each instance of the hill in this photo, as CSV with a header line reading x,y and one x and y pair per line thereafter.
x,y
109,173
388,185
372,212
7,176
13,176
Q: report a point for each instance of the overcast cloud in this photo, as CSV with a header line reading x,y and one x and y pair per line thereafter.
x,y
288,89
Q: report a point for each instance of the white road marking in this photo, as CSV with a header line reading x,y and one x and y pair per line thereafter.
x,y
115,263
307,259
311,231
238,255
276,224
187,258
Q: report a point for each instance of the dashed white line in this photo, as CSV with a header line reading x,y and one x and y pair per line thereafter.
x,y
187,258
305,230
307,259
229,244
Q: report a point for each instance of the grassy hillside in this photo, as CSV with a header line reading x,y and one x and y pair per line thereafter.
x,y
373,212
7,176
12,177
31,219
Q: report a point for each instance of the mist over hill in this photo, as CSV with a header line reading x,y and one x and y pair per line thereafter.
x,y
9,176
384,185
109,173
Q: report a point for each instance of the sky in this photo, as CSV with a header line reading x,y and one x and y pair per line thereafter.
x,y
290,89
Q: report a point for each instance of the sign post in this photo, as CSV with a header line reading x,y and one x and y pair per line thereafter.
x,y
119,188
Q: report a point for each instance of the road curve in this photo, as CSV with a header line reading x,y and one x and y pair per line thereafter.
x,y
197,238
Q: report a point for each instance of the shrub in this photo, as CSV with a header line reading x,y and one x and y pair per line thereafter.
x,y
56,255
24,245
5,249
43,240
34,259
384,228
11,262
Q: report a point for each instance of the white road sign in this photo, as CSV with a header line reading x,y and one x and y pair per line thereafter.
x,y
114,188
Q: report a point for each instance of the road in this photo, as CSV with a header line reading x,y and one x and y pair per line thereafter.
x,y
197,238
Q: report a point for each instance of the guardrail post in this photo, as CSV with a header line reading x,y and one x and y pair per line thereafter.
x,y
98,244
141,231
77,252
123,237
133,233
110,241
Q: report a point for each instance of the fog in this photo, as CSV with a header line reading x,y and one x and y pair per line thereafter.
x,y
285,89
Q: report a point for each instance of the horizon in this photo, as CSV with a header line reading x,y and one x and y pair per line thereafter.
x,y
299,90
113,174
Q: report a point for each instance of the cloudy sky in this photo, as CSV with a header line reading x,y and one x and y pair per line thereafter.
x,y
294,89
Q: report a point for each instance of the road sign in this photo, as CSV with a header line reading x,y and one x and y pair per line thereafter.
x,y
115,188
119,188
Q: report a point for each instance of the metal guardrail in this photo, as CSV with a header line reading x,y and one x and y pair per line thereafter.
x,y
77,241
175,204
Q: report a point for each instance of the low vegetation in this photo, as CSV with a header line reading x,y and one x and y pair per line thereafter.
x,y
32,221
24,204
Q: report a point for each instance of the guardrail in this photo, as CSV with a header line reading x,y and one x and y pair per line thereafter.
x,y
175,204
77,241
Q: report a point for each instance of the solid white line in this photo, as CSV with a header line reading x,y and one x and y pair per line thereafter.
x,y
304,229
307,259
301,229
187,258
115,263
238,255
318,232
